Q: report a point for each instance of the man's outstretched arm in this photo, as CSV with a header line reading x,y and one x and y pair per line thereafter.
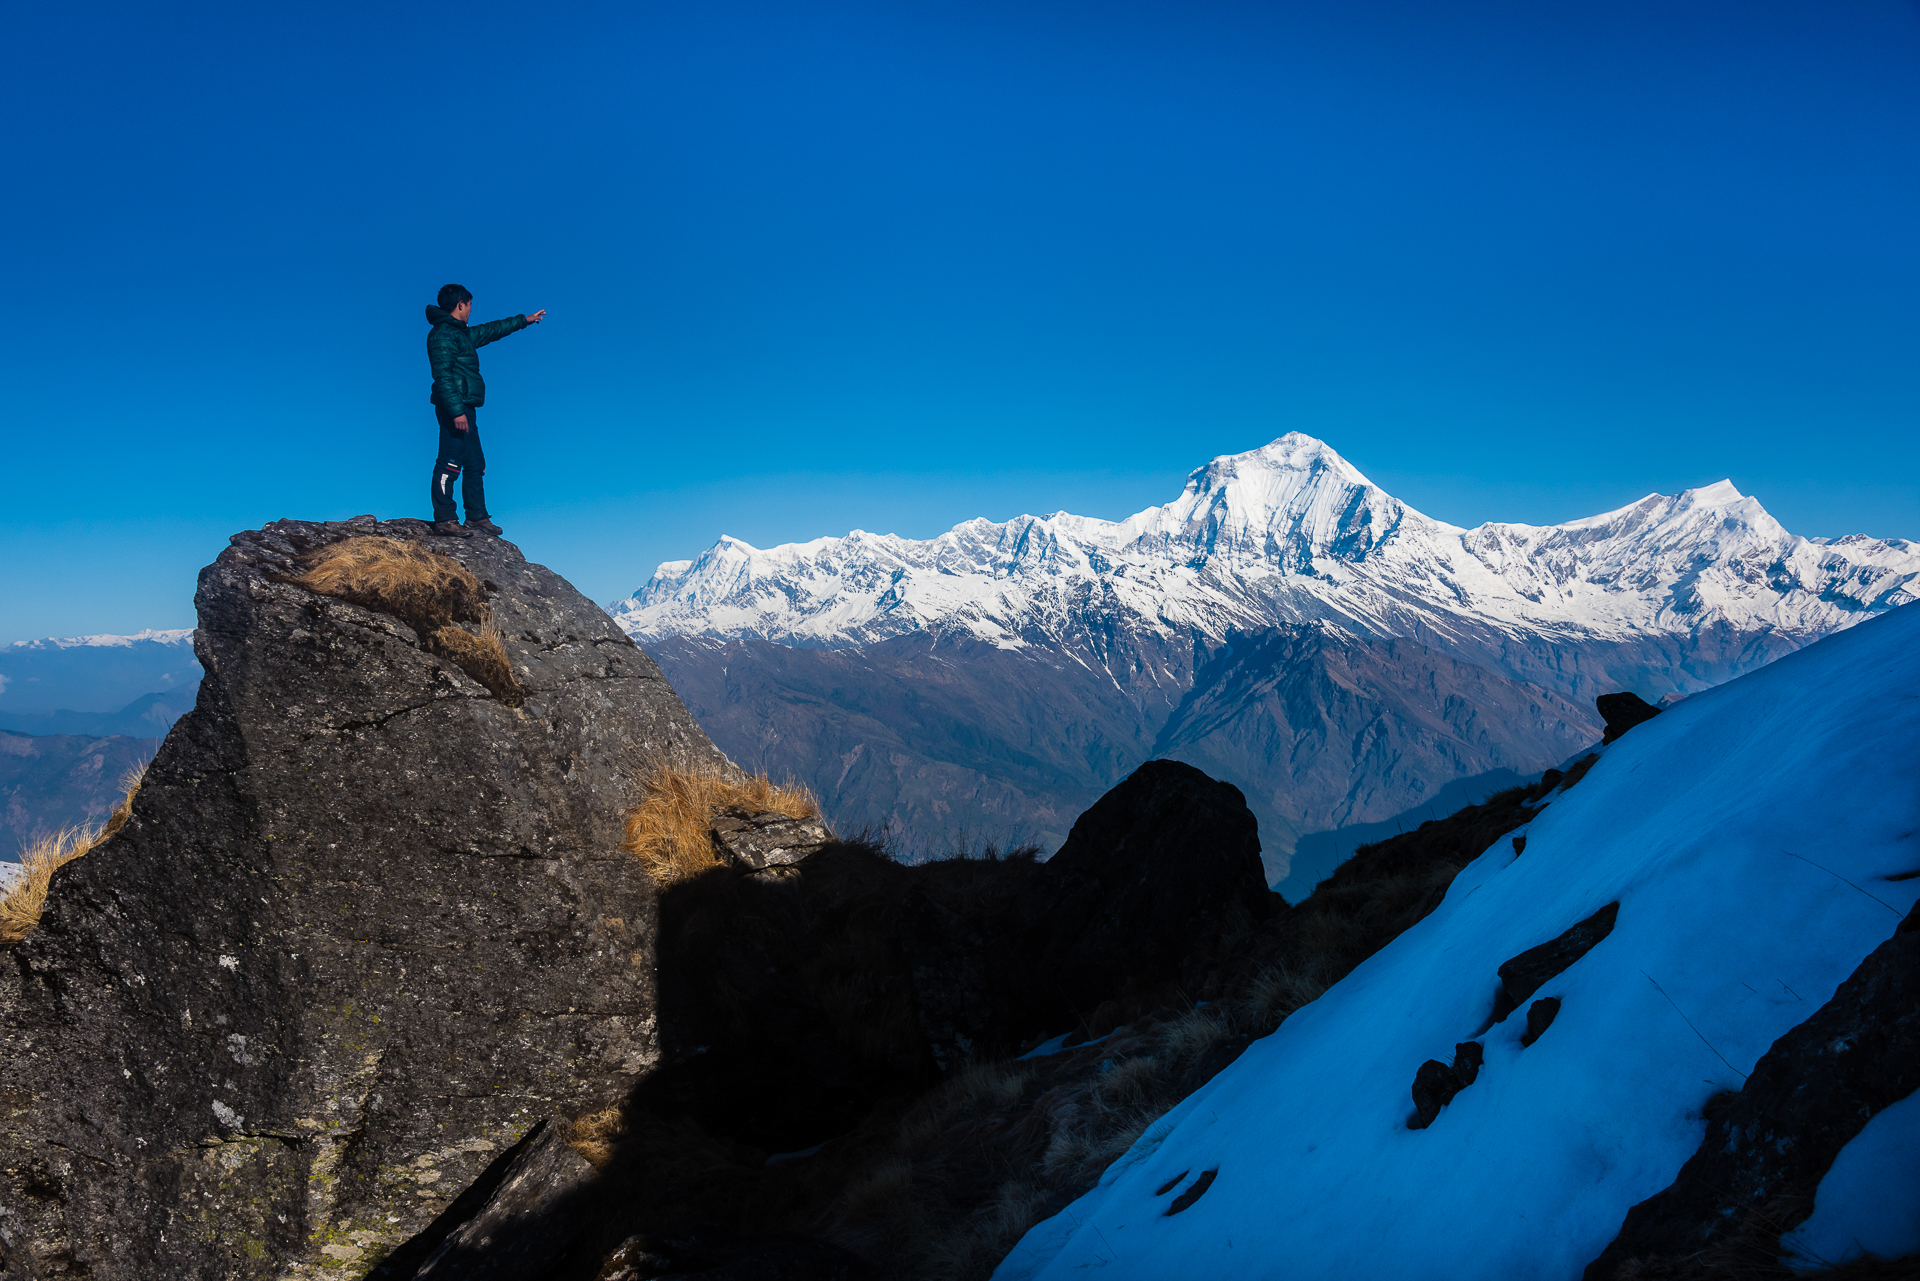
x,y
495,329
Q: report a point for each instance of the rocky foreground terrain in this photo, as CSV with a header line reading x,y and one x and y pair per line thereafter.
x,y
372,984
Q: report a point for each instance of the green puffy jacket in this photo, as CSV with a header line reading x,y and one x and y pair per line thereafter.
x,y
457,384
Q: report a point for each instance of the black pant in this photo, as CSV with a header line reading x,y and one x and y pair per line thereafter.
x,y
460,459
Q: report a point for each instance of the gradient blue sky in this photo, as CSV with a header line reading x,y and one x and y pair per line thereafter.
x,y
813,266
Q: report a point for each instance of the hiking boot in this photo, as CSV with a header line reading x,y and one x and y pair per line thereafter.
x,y
450,528
483,526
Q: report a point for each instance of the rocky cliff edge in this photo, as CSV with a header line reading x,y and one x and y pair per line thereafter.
x,y
368,924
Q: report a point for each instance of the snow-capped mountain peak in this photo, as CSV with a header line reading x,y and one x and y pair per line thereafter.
x,y
158,636
1287,533
1282,507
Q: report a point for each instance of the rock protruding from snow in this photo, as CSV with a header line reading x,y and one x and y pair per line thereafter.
x,y
1622,711
1436,1084
1522,976
1540,1016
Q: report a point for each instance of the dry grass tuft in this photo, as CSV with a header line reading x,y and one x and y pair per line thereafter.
x,y
397,577
596,1136
431,593
483,657
670,830
21,907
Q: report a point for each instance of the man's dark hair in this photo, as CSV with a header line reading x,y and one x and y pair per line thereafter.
x,y
452,296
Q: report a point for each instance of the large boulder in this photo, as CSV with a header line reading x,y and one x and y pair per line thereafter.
x,y
1157,867
370,921
1622,711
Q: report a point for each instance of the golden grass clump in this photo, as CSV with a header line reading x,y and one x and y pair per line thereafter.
x,y
429,592
670,830
20,909
21,906
483,657
397,577
596,1136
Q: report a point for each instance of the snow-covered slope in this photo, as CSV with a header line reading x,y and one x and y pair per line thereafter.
x,y
1288,533
1749,836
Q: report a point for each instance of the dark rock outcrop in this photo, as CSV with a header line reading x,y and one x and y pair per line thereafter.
x,y
1435,1083
1622,711
366,926
1158,864
1522,976
1768,1146
1540,1017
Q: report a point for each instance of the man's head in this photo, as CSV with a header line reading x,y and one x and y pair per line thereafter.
x,y
456,302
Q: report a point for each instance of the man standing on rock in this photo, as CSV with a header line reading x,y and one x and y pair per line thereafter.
x,y
458,392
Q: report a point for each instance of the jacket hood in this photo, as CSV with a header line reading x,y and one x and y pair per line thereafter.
x,y
440,316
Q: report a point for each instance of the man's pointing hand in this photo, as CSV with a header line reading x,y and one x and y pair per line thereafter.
x,y
537,316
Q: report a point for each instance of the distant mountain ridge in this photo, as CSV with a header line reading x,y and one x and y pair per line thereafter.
x,y
51,782
1288,533
148,716
43,681
1284,624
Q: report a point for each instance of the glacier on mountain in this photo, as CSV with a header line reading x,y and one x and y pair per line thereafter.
x,y
1288,533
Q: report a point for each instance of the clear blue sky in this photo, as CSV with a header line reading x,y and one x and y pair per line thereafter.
x,y
812,266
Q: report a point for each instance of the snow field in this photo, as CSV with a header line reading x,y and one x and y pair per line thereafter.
x,y
1706,826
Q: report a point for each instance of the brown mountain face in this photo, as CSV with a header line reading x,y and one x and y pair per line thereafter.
x,y
1323,730
54,781
1327,731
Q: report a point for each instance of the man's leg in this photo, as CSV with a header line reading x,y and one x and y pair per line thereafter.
x,y
473,488
447,467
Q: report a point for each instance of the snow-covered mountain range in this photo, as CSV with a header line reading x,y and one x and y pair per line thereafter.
x,y
136,684
1284,624
104,640
1288,533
